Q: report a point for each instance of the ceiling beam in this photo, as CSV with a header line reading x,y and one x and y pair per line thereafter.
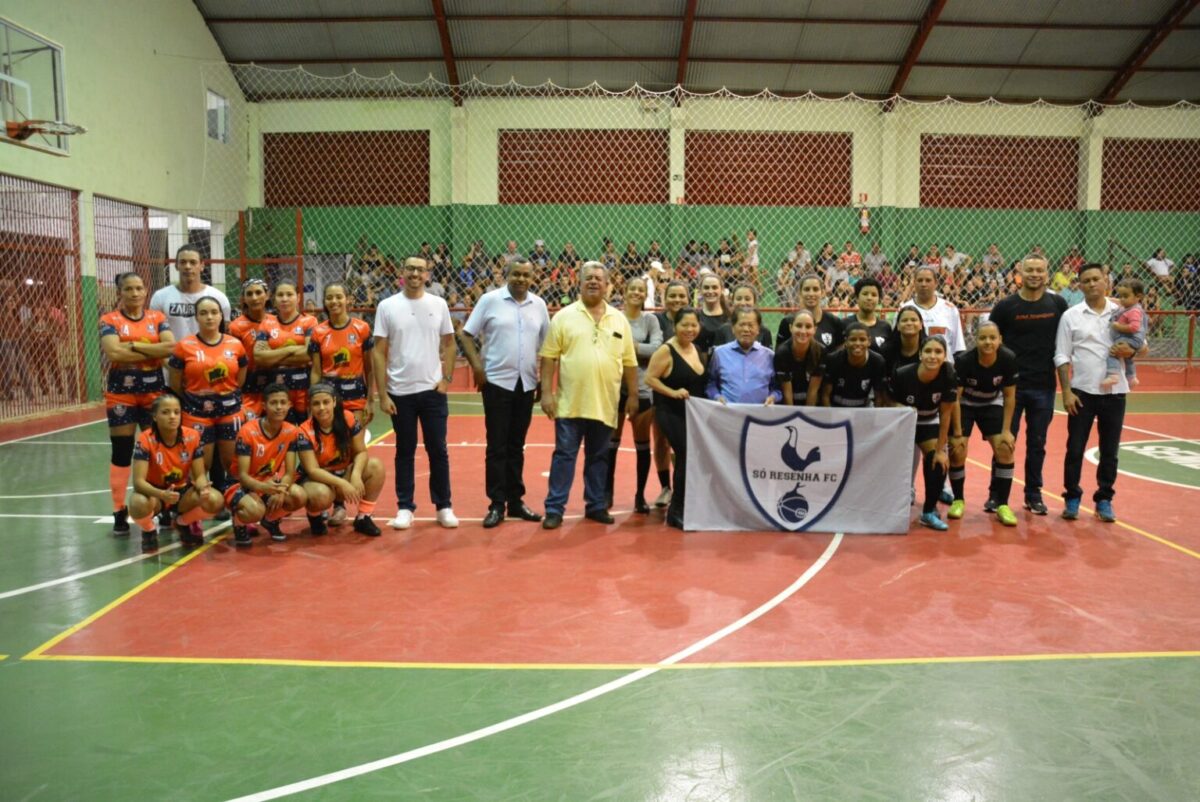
x,y
685,41
439,13
1145,50
982,24
918,42
952,65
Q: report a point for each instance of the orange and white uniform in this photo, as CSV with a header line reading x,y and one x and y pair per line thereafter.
x,y
324,445
344,352
169,467
246,330
278,334
212,398
268,455
132,387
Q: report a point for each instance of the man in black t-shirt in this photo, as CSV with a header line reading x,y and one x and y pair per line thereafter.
x,y
1028,322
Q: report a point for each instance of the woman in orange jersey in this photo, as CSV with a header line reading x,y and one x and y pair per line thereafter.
x,y
283,348
265,469
168,474
334,463
135,340
208,369
246,326
340,348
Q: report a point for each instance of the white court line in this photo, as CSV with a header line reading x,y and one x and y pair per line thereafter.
x,y
557,707
60,495
91,518
1092,456
52,431
62,580
1148,431
58,443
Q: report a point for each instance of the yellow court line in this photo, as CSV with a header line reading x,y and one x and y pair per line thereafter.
x,y
1149,535
849,663
37,654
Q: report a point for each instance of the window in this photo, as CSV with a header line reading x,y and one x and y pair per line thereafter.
x,y
218,117
31,81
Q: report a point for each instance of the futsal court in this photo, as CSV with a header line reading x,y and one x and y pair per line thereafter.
x,y
624,662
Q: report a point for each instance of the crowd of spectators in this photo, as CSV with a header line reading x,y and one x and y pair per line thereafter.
x,y
966,280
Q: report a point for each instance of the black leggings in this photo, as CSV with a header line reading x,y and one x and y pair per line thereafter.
x,y
674,426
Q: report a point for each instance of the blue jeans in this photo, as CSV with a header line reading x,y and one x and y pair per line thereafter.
x,y
1037,405
432,410
568,433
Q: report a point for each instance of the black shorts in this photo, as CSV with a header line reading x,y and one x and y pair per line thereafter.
x,y
927,431
990,419
643,403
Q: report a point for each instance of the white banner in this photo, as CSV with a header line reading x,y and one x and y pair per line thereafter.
x,y
799,469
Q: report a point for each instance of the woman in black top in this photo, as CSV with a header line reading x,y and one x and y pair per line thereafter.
x,y
744,296
903,346
930,387
987,375
675,297
713,312
850,374
829,327
798,363
675,374
867,295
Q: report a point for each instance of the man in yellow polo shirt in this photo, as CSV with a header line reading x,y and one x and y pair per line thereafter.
x,y
590,347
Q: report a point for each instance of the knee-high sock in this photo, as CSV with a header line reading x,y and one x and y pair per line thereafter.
x,y
935,477
664,478
118,480
643,466
1002,479
146,524
196,513
958,478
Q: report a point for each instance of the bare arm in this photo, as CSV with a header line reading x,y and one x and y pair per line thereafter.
x,y
549,402
379,355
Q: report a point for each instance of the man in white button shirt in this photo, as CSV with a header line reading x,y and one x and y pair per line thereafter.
x,y
414,363
1082,344
511,323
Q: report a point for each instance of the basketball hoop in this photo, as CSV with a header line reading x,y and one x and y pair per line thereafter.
x,y
23,129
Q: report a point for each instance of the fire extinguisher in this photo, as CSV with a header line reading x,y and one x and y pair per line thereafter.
x,y
864,220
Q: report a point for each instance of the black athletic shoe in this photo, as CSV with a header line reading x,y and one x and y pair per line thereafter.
x,y
150,541
316,525
990,505
1036,506
191,536
223,515
121,523
241,536
365,526
166,519
640,506
273,530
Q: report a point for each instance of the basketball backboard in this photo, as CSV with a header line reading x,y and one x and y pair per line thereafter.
x,y
31,84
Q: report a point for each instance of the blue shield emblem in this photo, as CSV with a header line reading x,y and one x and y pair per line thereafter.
x,y
795,468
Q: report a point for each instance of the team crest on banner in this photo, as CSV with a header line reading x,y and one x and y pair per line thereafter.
x,y
795,468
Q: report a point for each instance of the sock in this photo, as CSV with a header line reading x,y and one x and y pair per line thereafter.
x,y
146,524
196,513
935,477
614,448
366,507
643,466
118,480
958,478
664,479
1002,479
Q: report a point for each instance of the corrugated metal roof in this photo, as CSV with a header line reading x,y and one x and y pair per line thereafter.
x,y
981,45
269,41
739,77
1053,85
560,38
939,82
334,80
991,11
611,75
1162,86
377,40
837,80
314,8
565,7
809,41
1099,48
853,9
1108,12
1182,48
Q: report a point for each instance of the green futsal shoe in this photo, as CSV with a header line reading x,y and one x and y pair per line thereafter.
x,y
957,508
1006,516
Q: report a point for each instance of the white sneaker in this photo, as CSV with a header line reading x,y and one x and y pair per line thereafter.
x,y
664,498
403,520
446,518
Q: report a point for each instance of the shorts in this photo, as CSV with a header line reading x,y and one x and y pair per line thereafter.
x,y
211,430
234,495
353,391
302,477
990,419
299,411
125,408
927,431
644,404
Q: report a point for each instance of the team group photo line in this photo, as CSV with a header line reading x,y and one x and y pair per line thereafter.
x,y
263,414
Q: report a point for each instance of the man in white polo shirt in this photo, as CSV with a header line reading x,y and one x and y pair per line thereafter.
x,y
1082,345
511,323
414,362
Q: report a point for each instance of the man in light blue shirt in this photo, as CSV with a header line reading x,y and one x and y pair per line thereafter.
x,y
743,371
511,323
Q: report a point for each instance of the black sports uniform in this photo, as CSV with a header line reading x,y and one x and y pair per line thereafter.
x,y
926,399
829,331
852,384
790,369
879,332
982,394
